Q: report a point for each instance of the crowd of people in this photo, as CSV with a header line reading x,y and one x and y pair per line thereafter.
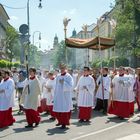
x,y
58,92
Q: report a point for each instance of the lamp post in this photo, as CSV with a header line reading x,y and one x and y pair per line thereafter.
x,y
39,38
28,34
65,22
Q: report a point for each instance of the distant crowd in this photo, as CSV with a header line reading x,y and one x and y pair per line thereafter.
x,y
59,92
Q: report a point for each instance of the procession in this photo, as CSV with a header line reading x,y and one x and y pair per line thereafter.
x,y
57,94
70,70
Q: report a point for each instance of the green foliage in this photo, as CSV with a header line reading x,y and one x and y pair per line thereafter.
x,y
60,54
8,64
119,61
34,56
127,14
12,43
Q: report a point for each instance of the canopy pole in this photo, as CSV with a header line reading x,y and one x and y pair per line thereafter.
x,y
101,64
65,23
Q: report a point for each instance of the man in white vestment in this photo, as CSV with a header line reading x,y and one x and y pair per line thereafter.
x,y
31,102
85,88
62,97
122,103
7,88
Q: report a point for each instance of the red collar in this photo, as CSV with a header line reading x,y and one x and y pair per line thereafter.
x,y
86,75
32,78
121,75
52,78
62,74
6,79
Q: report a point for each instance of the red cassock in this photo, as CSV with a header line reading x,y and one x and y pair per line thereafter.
x,y
52,113
6,118
63,117
32,116
85,113
121,109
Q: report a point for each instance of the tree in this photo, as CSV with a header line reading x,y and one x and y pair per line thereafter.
x,y
60,55
12,43
127,13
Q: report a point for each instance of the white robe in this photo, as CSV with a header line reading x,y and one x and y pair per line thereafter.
x,y
86,96
122,88
105,87
7,98
62,94
31,100
50,94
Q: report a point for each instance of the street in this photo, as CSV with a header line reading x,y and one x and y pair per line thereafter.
x,y
100,128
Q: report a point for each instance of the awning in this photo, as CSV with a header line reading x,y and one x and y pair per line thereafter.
x,y
92,43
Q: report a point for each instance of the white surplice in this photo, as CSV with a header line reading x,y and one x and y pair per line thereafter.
x,y
86,96
122,88
62,94
7,98
50,94
31,99
105,88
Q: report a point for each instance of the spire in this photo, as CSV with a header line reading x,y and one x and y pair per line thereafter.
x,y
74,33
55,43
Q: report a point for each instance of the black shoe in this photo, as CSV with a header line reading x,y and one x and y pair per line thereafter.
x,y
52,119
58,124
121,118
87,121
81,120
29,126
36,124
63,127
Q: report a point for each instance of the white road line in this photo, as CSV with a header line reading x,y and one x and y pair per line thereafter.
x,y
96,132
103,130
130,137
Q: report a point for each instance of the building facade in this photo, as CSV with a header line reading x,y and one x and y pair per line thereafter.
x,y
3,25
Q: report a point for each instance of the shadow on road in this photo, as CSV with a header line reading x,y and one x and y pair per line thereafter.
x,y
19,130
56,130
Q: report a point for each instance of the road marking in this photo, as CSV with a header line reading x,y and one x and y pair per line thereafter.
x,y
103,130
130,137
97,132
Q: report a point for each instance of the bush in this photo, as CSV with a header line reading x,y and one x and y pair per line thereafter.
x,y
8,64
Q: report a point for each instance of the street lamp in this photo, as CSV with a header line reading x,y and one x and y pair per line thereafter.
x,y
65,22
28,33
39,38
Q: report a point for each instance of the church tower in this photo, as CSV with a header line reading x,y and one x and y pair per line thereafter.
x,y
55,42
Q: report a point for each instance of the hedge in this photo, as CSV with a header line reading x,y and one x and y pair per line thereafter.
x,y
8,64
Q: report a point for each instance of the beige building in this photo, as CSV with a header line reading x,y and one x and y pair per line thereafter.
x,y
3,25
83,56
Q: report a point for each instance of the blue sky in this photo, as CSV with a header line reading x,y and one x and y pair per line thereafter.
x,y
49,19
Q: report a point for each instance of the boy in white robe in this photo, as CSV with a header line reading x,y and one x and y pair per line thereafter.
x,y
7,88
85,89
123,95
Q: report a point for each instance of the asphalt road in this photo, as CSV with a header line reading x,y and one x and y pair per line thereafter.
x,y
100,128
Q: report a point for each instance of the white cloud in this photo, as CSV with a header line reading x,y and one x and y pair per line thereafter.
x,y
13,18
